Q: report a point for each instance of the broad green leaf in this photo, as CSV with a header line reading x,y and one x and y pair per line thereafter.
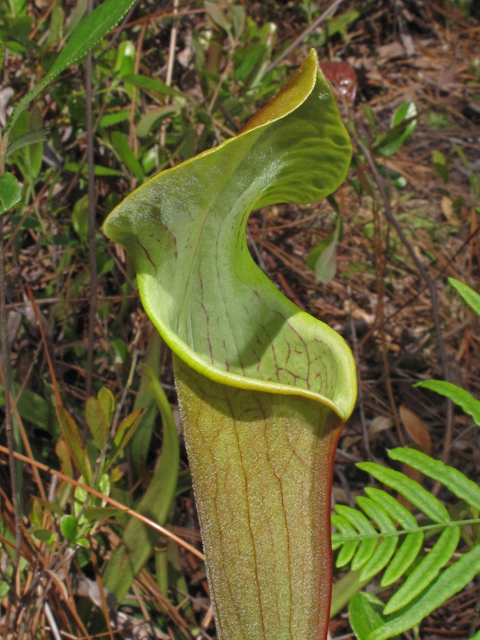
x,y
456,394
69,527
470,296
410,489
365,614
45,535
139,540
450,582
97,421
343,590
86,35
426,571
10,192
403,125
456,481
80,217
263,387
126,154
28,158
106,399
185,231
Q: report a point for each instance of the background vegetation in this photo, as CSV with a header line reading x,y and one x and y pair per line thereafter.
x,y
104,472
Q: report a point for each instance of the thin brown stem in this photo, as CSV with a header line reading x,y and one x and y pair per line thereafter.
x,y
380,275
171,59
431,286
8,417
91,221
361,408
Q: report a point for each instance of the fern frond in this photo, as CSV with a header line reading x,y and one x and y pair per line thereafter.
x,y
368,538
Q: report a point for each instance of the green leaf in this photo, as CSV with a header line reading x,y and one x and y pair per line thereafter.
x,y
403,559
386,548
87,34
139,539
410,489
403,125
350,546
470,296
98,169
343,590
412,543
110,119
126,155
263,387
45,535
127,428
97,421
140,442
74,440
284,153
34,409
155,85
10,192
450,582
107,401
365,614
69,527
426,571
152,119
456,481
80,217
456,394
326,262
40,135
363,526
99,513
